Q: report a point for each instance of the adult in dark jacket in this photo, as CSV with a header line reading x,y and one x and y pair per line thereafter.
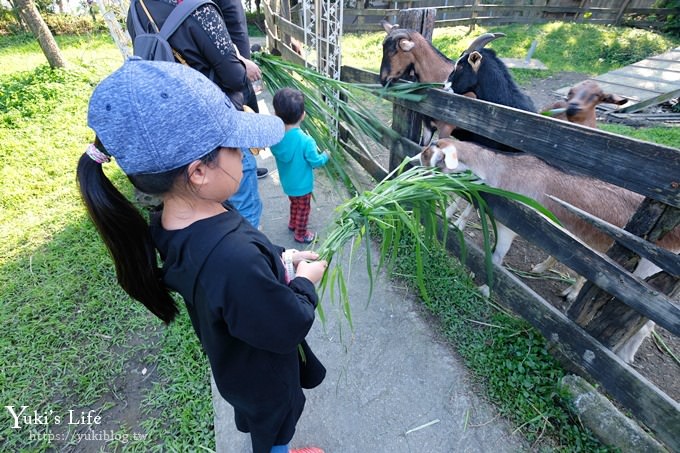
x,y
205,43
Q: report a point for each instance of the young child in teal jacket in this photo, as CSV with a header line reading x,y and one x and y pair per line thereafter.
x,y
296,157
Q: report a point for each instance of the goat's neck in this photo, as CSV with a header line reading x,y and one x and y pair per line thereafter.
x,y
480,161
590,120
431,66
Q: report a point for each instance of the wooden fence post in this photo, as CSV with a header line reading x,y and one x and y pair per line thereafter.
x,y
473,14
406,122
606,318
621,11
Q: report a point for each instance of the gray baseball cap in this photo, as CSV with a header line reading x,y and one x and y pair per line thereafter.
x,y
155,116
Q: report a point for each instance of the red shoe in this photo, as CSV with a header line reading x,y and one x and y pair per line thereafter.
x,y
307,450
308,238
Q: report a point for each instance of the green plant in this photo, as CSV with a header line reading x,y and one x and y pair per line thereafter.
x,y
69,24
663,135
407,203
562,46
330,103
672,23
73,338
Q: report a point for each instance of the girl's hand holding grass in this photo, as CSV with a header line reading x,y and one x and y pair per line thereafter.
x,y
304,255
311,270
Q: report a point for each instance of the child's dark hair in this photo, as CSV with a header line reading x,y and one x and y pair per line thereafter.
x,y
126,233
289,105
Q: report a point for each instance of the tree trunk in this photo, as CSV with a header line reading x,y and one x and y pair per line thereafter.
x,y
29,13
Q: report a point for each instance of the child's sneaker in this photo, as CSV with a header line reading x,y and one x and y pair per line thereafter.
x,y
308,238
307,450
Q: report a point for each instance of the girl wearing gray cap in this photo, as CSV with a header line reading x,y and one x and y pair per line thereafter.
x,y
175,134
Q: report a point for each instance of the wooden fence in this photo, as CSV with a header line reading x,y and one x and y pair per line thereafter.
x,y
366,16
603,317
585,152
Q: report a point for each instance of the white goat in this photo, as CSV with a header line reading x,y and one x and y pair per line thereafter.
x,y
530,176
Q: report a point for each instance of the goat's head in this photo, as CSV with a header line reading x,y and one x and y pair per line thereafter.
x,y
584,97
442,154
464,77
398,58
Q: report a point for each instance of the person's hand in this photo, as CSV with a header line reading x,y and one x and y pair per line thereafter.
x,y
311,270
305,255
252,70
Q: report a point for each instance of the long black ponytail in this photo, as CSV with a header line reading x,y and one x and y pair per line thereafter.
x,y
126,234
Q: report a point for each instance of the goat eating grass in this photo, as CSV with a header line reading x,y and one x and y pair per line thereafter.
x,y
530,176
579,105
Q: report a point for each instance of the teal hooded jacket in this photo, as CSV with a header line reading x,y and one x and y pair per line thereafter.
x,y
296,156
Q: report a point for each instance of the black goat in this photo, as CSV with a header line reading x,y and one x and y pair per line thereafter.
x,y
479,70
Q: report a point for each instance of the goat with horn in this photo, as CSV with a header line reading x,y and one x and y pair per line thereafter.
x,y
480,71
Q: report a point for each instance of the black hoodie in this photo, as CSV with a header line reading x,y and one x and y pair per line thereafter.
x,y
248,319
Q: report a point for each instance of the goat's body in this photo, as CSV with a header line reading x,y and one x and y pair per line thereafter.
x,y
530,176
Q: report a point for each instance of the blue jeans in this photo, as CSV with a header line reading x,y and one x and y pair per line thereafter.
x,y
247,199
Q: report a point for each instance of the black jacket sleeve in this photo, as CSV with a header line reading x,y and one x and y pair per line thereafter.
x,y
257,305
214,44
235,18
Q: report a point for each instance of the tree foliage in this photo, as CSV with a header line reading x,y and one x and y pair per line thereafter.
x,y
672,24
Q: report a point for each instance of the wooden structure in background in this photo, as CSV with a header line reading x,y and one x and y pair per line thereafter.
x,y
638,13
584,151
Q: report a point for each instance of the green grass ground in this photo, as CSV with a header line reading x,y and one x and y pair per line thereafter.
x,y
71,336
70,333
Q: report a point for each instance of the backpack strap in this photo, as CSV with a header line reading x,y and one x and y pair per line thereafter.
x,y
139,29
178,15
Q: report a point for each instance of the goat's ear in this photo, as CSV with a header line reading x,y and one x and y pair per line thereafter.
x,y
406,45
475,59
613,99
388,26
450,157
415,160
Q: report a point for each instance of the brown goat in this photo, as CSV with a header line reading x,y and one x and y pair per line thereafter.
x,y
579,105
579,108
406,50
530,176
